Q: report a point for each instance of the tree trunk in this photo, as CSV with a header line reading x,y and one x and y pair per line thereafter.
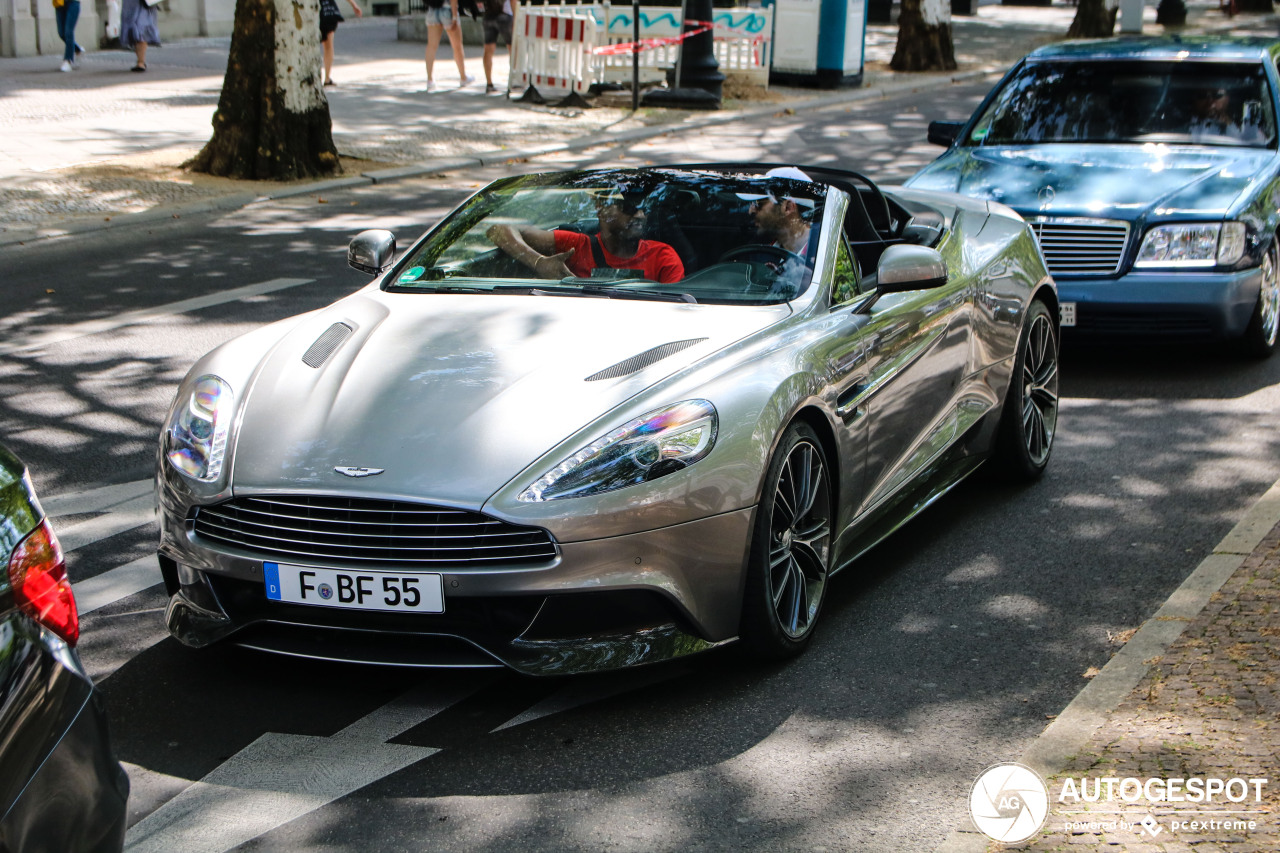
x,y
924,37
1171,13
1093,20
272,121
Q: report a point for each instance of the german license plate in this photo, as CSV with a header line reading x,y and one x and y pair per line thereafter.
x,y
403,592
1067,314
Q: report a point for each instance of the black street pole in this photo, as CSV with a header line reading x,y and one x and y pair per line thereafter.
x,y
701,83
635,55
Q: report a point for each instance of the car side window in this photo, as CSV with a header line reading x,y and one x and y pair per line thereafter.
x,y
845,282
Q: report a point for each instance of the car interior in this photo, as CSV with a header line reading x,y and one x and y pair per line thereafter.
x,y
710,226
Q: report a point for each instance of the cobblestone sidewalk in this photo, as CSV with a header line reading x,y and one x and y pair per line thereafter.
x,y
1208,708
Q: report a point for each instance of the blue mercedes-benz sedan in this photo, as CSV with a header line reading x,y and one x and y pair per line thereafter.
x,y
1148,169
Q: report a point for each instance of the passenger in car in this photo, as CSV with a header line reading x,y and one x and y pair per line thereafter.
x,y
782,218
560,253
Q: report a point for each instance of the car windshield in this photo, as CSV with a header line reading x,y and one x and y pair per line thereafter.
x,y
660,234
1213,103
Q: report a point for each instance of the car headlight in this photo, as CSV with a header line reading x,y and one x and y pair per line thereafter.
x,y
1194,244
196,439
654,445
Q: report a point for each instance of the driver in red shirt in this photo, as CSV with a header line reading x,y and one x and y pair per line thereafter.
x,y
563,254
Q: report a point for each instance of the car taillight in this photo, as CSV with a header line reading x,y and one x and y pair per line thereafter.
x,y
38,575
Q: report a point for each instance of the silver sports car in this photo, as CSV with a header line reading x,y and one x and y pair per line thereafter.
x,y
601,418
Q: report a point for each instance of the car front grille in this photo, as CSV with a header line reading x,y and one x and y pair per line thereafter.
x,y
364,532
1081,246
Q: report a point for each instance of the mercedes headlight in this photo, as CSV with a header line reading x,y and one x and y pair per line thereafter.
x,y
647,448
196,439
1193,244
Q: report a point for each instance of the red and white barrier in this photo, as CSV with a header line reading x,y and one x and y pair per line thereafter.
x,y
553,53
561,50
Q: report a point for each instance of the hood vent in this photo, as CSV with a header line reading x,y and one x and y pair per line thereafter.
x,y
326,344
639,362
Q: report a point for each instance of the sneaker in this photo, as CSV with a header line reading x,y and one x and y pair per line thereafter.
x,y
466,81
66,66
490,89
431,85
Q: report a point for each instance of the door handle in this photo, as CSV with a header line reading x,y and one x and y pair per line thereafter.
x,y
850,406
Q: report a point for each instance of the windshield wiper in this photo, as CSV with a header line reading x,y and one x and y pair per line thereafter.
x,y
472,288
623,293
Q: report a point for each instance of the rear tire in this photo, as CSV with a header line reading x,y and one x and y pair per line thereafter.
x,y
1030,416
1260,338
790,549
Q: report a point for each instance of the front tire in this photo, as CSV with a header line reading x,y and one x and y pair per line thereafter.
x,y
1030,417
1260,338
790,549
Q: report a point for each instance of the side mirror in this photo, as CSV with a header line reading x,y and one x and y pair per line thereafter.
x,y
903,267
945,133
372,251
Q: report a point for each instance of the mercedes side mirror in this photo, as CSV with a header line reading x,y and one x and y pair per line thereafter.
x,y
945,133
372,251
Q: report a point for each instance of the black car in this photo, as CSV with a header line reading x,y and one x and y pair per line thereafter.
x,y
61,788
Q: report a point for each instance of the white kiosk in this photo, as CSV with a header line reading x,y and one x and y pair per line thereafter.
x,y
819,42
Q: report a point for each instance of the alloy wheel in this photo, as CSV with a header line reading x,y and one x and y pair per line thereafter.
x,y
800,540
1040,389
1269,299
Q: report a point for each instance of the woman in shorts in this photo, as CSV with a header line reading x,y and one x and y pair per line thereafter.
x,y
442,16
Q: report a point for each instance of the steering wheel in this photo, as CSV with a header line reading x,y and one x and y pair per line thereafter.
x,y
774,254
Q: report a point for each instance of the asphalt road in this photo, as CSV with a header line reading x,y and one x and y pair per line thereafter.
x,y
948,649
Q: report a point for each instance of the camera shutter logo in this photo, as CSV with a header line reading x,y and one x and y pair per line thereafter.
x,y
1009,803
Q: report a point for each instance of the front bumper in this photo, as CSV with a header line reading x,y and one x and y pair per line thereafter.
x,y
601,604
1187,305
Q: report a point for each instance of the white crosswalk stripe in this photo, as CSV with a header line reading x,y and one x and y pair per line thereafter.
x,y
121,582
120,519
160,313
279,778
122,508
98,499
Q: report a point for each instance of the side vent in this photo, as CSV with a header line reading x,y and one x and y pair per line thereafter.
x,y
639,362
318,353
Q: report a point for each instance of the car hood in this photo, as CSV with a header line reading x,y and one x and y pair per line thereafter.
x,y
1105,181
454,395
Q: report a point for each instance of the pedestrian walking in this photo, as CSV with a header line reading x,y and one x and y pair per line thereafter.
x,y
139,27
330,17
498,17
442,17
66,13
